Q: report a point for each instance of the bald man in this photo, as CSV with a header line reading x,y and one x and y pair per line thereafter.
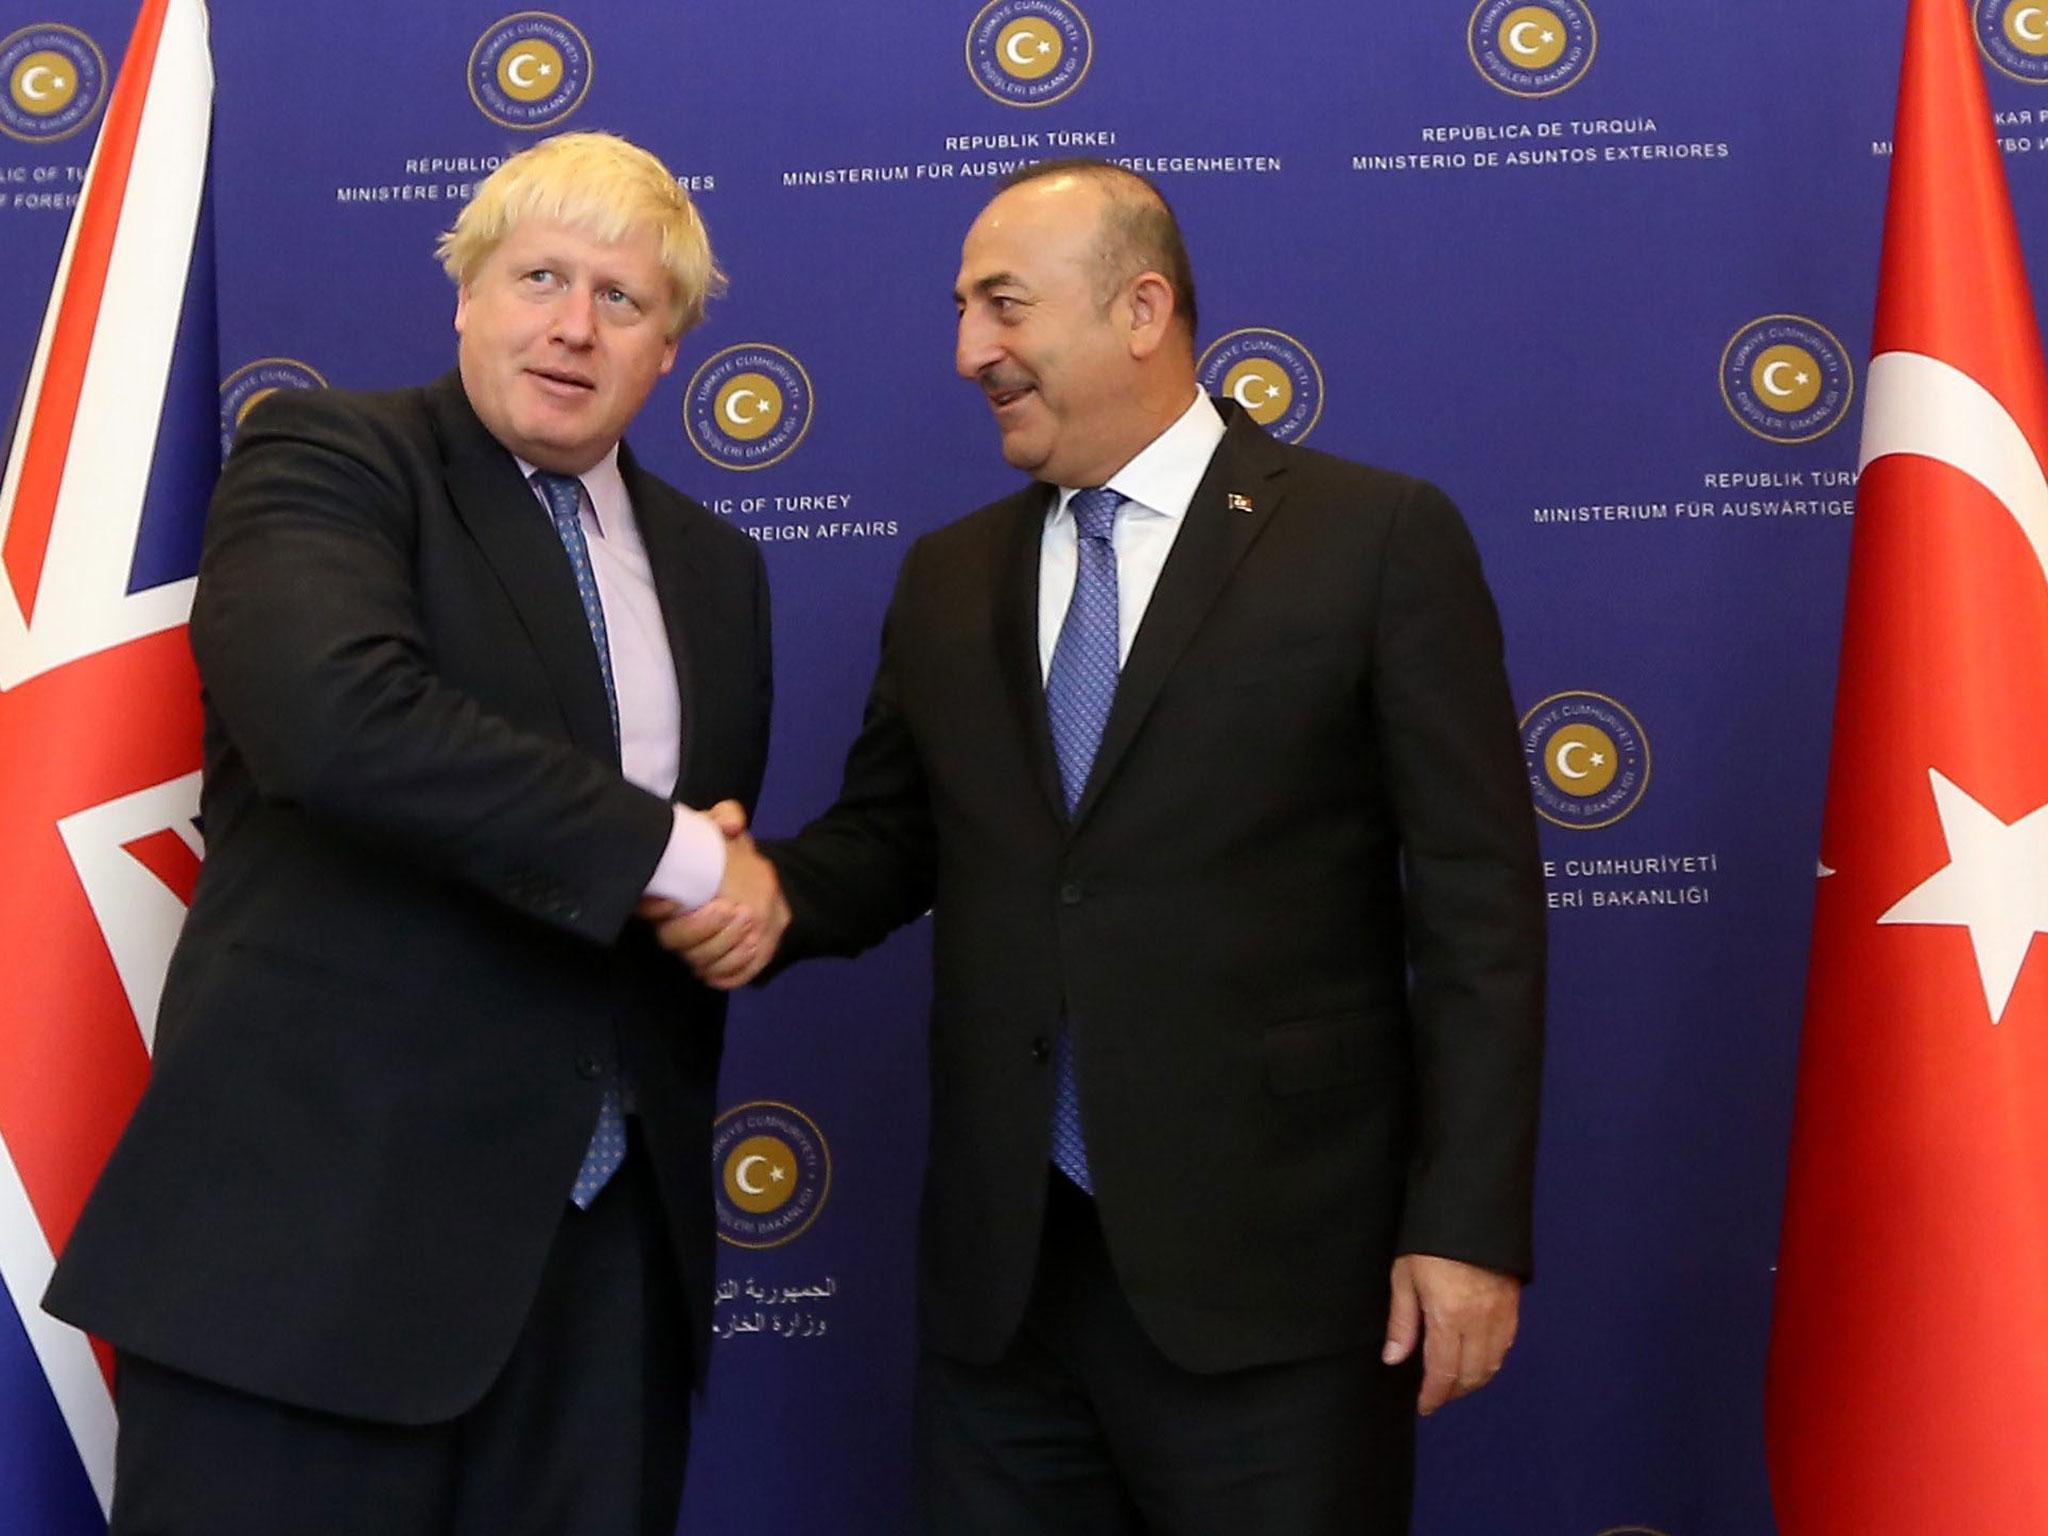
x,y
1200,750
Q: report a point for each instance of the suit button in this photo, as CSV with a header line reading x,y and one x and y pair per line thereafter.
x,y
589,1065
1041,1050
1070,894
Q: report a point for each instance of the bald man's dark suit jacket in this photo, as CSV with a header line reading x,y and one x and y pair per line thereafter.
x,y
1295,923
385,1028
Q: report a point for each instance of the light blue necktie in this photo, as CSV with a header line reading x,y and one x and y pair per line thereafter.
x,y
564,496
1079,687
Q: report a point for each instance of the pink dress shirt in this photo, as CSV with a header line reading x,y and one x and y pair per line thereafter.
x,y
644,674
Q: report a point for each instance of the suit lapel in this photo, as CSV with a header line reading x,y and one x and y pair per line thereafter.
x,y
512,529
1218,529
1015,584
679,585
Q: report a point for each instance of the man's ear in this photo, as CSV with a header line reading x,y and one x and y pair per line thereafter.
x,y
1151,310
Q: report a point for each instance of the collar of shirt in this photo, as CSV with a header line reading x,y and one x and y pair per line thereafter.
x,y
1166,472
605,501
1159,484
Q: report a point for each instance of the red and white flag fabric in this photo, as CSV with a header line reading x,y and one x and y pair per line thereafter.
x,y
107,475
1908,1383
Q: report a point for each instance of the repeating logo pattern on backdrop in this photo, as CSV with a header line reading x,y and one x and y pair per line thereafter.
x,y
240,390
1274,377
1029,53
1588,759
748,406
529,70
1532,50
55,81
2014,37
773,1173
1787,378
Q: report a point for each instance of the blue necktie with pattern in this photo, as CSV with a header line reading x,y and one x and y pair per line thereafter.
x,y
564,496
1079,687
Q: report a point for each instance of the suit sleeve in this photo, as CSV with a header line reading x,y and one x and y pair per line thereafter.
x,y
1473,895
308,632
866,867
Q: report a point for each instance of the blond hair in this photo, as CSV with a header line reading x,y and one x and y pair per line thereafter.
x,y
604,186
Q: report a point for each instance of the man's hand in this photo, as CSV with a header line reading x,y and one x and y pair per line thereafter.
x,y
729,939
1465,1317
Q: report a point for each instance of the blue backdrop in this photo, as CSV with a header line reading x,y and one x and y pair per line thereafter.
x,y
1604,269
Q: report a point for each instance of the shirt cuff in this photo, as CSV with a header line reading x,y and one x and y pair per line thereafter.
x,y
693,864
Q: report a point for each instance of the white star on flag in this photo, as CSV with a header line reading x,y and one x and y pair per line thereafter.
x,y
1995,884
1914,1203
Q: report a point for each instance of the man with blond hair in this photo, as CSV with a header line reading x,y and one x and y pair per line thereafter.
x,y
411,1232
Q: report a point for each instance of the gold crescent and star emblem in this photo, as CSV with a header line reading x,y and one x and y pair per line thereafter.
x,y
1030,48
2026,27
760,1174
1582,760
44,83
1262,387
1786,377
748,406
1533,36
532,71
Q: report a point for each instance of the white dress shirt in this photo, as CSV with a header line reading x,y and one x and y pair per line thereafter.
x,y
644,677
1157,486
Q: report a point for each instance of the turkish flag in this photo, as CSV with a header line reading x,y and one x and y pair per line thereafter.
x,y
1908,1387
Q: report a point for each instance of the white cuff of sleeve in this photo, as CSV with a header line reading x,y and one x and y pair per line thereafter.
x,y
693,865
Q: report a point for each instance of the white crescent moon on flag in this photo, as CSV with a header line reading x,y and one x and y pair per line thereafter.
x,y
1237,393
739,1174
1921,405
1010,47
515,73
1560,756
2020,20
1771,378
1515,36
732,407
28,82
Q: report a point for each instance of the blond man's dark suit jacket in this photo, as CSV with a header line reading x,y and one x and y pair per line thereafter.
x,y
379,1052
1295,923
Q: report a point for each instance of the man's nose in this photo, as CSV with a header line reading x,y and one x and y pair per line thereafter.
x,y
576,316
975,347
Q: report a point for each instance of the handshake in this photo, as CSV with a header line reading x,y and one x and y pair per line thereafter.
x,y
732,937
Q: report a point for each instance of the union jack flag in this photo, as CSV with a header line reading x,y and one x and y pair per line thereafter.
x,y
108,471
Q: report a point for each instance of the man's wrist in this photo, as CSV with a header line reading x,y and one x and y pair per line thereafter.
x,y
692,866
